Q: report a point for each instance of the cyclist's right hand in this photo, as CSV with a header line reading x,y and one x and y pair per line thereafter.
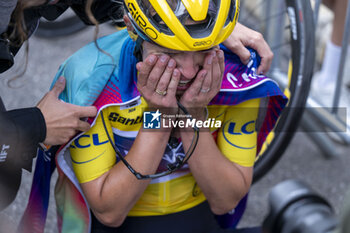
x,y
63,120
157,82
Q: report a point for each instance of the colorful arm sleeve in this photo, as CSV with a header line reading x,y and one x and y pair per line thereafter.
x,y
92,154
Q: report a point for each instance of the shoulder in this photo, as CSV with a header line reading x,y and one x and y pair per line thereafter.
x,y
91,61
91,56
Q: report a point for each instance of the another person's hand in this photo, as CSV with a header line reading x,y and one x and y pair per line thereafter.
x,y
63,120
206,85
157,82
243,37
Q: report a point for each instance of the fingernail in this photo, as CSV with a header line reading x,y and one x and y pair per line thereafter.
x,y
163,58
151,59
221,54
204,74
60,79
171,63
210,60
176,73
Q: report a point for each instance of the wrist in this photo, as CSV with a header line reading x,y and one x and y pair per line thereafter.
x,y
198,113
163,110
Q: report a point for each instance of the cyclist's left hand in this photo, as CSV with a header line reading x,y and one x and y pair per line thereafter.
x,y
243,37
206,85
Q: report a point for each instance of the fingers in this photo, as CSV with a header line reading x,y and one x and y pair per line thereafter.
x,y
63,120
242,37
198,82
206,84
258,43
60,138
221,57
208,80
157,82
83,112
145,69
212,82
218,71
266,58
236,44
242,52
59,86
157,72
264,66
174,82
210,65
82,126
165,78
79,113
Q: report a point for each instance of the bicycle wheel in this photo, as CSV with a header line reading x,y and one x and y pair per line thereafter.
x,y
68,23
289,29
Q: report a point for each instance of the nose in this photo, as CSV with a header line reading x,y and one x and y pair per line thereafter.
x,y
188,65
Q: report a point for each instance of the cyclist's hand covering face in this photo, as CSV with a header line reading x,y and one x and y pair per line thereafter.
x,y
157,80
200,75
206,85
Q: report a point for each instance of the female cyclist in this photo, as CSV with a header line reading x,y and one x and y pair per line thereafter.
x,y
173,65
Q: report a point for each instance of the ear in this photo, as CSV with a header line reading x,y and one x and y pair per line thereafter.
x,y
128,23
132,33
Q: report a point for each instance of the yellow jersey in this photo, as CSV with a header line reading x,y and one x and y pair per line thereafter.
x,y
92,154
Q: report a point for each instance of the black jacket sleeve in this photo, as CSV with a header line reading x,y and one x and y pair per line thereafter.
x,y
21,131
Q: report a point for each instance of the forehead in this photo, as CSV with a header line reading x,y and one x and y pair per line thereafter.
x,y
156,48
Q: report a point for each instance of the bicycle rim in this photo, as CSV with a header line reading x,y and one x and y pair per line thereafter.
x,y
293,47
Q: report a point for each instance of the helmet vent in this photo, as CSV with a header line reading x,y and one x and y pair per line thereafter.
x,y
231,13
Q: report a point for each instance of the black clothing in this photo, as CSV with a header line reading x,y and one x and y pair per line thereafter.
x,y
103,11
198,219
6,8
23,129
20,132
6,58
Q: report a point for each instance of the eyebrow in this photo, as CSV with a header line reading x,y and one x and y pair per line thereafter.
x,y
166,50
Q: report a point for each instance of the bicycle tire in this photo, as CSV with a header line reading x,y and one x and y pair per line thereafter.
x,y
64,27
299,74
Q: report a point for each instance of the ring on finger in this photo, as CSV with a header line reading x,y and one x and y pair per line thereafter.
x,y
205,90
162,93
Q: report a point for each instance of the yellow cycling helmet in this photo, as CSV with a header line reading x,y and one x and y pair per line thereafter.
x,y
186,25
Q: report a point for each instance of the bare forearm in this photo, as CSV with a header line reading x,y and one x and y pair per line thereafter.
x,y
120,189
221,181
